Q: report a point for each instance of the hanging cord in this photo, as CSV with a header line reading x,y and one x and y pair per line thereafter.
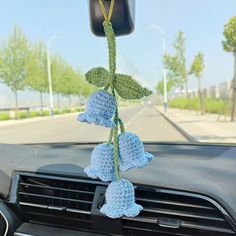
x,y
109,32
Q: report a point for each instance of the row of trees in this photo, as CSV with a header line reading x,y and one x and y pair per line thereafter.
x,y
178,73
23,65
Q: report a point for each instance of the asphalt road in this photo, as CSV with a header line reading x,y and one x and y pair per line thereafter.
x,y
143,120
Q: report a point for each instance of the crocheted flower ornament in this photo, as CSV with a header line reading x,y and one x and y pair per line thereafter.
x,y
131,152
100,108
101,165
125,148
120,200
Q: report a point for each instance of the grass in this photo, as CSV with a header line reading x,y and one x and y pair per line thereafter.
x,y
24,114
79,109
4,116
56,111
66,110
217,106
31,114
35,113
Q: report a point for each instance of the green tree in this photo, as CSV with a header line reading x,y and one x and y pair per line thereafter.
x,y
69,82
84,88
197,68
229,45
57,69
14,56
180,48
176,63
37,79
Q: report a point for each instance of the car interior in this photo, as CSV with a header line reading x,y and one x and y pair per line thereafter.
x,y
188,189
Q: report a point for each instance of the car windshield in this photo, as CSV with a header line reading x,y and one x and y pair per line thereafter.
x,y
183,51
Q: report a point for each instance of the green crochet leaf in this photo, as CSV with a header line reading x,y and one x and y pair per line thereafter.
x,y
98,76
129,88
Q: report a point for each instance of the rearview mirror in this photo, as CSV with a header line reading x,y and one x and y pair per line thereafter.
x,y
122,17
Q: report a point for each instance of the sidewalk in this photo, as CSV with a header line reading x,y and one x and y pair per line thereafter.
x,y
204,128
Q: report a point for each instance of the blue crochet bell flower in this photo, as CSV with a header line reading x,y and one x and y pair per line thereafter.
x,y
100,108
131,152
101,165
120,200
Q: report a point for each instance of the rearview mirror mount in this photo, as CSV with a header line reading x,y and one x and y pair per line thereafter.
x,y
122,18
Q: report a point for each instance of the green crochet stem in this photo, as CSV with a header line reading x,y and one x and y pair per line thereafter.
x,y
116,147
110,136
111,39
122,127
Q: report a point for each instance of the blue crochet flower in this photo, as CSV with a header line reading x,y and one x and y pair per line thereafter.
x,y
100,108
120,200
131,152
101,165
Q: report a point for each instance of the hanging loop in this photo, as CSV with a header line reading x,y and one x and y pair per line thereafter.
x,y
107,17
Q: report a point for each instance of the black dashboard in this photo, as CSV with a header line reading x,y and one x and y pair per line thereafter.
x,y
188,189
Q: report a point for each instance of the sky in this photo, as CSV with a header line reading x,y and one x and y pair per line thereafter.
x,y
139,54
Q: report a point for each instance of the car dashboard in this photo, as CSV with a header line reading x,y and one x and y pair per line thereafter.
x,y
188,189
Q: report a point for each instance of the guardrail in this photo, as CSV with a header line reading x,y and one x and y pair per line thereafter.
x,y
13,109
21,108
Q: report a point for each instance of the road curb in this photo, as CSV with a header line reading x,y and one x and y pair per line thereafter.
x,y
182,131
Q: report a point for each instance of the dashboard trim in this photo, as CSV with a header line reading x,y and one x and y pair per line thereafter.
x,y
7,223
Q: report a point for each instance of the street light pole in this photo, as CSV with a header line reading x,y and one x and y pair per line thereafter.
x,y
163,39
51,39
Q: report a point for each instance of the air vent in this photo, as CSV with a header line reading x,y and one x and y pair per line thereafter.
x,y
56,201
170,213
73,203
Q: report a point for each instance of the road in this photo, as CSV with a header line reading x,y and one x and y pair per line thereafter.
x,y
144,120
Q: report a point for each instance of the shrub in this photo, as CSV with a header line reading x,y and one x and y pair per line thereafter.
x,y
23,114
35,113
46,113
216,106
56,111
4,116
66,110
79,109
211,105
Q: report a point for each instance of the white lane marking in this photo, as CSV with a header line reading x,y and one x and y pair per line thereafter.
x,y
134,117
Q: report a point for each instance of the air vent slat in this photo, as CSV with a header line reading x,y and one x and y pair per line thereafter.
x,y
205,227
150,220
184,224
33,205
54,208
174,203
181,213
55,188
137,228
55,216
54,197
